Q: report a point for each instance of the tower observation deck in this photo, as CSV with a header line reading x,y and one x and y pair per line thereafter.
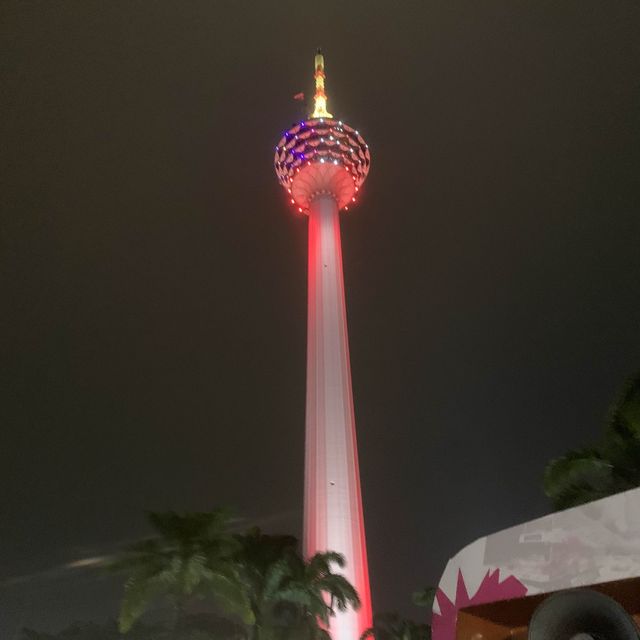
x,y
322,163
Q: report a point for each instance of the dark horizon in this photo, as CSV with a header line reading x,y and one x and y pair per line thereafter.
x,y
154,277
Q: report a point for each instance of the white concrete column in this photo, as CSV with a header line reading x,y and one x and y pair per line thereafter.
x,y
333,518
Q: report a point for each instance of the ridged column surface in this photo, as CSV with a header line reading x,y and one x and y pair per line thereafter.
x,y
333,518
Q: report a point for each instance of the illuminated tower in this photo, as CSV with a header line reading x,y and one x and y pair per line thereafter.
x,y
322,163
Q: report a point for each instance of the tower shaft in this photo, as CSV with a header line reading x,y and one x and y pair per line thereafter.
x,y
333,518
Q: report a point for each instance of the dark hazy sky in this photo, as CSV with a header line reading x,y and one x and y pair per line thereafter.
x,y
153,279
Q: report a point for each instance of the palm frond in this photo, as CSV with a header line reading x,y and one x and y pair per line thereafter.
x,y
321,562
137,596
296,595
624,413
342,590
190,555
611,466
230,595
425,597
275,578
320,633
578,477
193,571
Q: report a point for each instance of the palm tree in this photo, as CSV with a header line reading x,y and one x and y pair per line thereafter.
x,y
391,626
190,557
424,597
259,556
612,466
288,595
313,582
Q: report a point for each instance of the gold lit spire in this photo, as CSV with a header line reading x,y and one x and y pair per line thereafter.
x,y
320,97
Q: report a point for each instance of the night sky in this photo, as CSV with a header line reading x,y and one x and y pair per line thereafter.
x,y
153,277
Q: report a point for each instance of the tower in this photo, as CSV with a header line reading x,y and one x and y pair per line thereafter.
x,y
322,163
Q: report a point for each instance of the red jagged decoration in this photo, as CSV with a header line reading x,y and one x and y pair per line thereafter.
x,y
443,624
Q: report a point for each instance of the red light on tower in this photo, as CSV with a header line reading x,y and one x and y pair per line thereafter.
x,y
322,163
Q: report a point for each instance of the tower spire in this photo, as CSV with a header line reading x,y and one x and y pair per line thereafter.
x,y
320,97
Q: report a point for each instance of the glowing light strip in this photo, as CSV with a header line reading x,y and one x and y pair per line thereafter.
x,y
320,97
324,141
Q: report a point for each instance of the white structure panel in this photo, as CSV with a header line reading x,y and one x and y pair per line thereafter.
x,y
318,178
591,544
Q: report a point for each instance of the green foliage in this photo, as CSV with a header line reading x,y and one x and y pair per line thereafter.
x,y
261,580
189,558
287,594
612,466
424,597
391,626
